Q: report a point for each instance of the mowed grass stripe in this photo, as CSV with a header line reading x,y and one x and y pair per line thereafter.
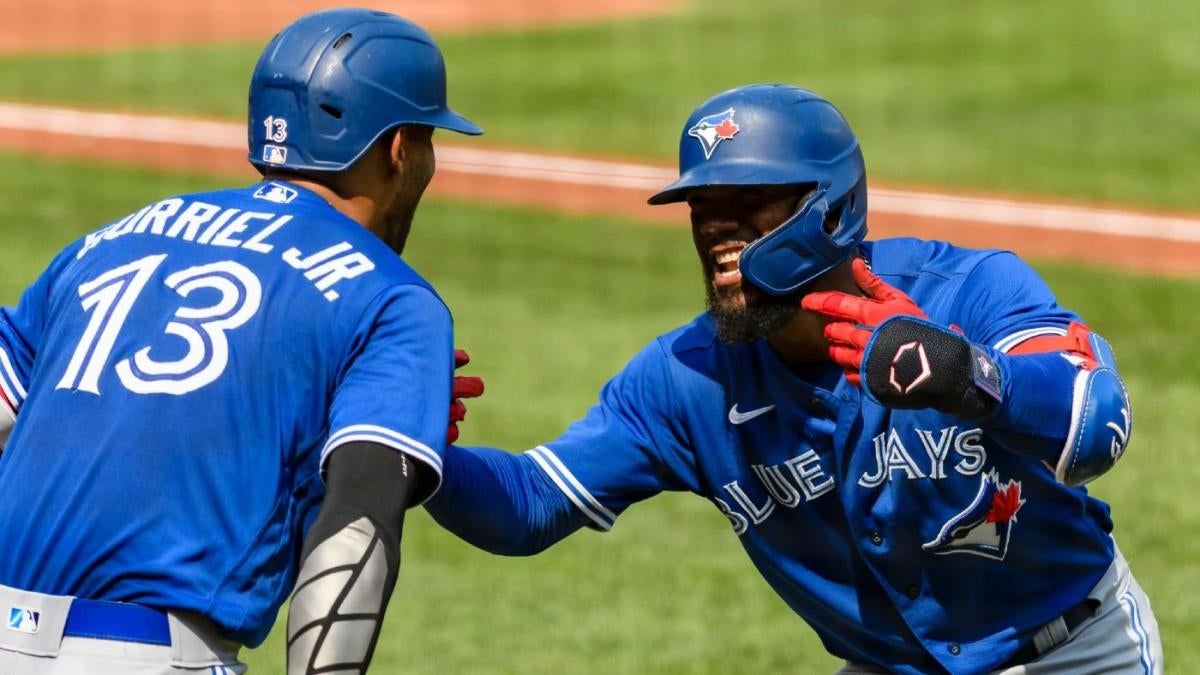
x,y
1051,98
601,174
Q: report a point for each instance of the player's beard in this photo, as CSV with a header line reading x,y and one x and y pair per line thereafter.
x,y
748,320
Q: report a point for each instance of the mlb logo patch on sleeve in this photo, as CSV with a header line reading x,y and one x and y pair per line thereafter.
x,y
23,619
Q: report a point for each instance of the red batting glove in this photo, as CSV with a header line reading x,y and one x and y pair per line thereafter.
x,y
464,387
854,318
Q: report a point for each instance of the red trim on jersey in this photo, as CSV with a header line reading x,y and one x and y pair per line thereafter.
x,y
7,403
1075,342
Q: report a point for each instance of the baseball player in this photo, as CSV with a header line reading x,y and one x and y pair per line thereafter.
x,y
225,398
898,431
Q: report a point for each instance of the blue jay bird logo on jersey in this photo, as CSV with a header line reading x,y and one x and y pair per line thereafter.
x,y
713,129
23,619
985,527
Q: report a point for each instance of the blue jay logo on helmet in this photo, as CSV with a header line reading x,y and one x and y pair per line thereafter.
x,y
711,130
786,136
985,527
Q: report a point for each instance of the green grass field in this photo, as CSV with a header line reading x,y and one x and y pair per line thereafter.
x,y
1087,101
550,307
1092,101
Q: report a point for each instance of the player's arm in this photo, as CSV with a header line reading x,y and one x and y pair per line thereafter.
x,y
350,561
1055,397
21,331
626,449
386,433
502,503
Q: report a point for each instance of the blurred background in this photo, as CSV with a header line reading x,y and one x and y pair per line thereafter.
x,y
1067,131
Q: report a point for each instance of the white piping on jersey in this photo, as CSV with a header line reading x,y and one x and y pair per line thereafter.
x,y
572,488
1007,343
10,381
384,436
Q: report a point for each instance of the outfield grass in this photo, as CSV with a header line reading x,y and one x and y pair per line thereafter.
x,y
549,307
1088,100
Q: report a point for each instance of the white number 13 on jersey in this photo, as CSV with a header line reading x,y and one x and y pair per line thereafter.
x,y
110,297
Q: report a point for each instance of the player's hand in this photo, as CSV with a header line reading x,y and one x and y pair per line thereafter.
x,y
854,318
464,387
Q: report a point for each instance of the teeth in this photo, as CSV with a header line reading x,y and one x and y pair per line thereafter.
x,y
729,256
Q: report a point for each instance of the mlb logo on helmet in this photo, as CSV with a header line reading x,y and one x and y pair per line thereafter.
x,y
713,129
23,619
985,527
274,154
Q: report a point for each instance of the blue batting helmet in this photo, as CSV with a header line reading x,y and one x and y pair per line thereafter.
x,y
331,83
775,134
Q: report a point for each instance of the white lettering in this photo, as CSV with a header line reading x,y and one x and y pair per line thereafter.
x,y
225,236
968,445
890,456
217,225
737,520
156,219
195,215
255,243
757,513
345,267
808,471
292,256
780,489
937,450
875,479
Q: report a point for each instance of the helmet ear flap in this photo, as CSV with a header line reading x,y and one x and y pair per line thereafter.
x,y
770,262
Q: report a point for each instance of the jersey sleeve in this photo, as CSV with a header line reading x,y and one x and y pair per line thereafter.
x,y
395,390
628,447
1004,303
21,331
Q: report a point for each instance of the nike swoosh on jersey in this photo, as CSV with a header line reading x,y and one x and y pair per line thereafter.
x,y
736,417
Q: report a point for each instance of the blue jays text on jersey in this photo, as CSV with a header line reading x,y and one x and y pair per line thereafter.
x,y
177,379
889,531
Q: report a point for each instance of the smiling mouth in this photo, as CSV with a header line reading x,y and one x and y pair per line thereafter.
x,y
725,258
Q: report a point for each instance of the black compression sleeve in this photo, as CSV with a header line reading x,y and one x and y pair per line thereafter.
x,y
364,479
350,561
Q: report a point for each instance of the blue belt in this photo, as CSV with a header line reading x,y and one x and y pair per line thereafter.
x,y
102,620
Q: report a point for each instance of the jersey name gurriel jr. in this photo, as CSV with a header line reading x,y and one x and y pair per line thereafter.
x,y
177,379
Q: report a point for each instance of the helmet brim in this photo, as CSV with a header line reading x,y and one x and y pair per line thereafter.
x,y
727,173
448,119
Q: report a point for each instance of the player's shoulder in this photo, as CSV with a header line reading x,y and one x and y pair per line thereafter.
x,y
697,335
286,227
907,258
685,353
319,226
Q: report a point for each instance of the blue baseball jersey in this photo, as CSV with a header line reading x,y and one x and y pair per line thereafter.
x,y
909,539
178,379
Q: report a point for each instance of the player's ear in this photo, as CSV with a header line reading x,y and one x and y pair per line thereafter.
x,y
394,142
